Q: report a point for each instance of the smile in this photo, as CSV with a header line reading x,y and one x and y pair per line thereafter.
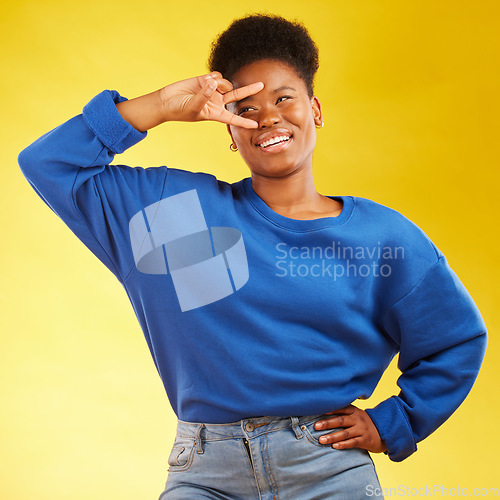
x,y
274,141
275,146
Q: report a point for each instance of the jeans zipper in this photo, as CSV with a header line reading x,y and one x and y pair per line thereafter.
x,y
247,447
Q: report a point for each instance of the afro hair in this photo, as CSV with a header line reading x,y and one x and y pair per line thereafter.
x,y
262,36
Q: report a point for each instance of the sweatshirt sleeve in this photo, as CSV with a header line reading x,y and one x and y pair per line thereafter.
x,y
69,167
442,339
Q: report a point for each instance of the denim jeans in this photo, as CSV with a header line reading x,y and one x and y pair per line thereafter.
x,y
265,458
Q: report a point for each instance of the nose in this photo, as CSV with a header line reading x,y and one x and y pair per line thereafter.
x,y
268,116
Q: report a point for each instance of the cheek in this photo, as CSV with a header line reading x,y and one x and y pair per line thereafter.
x,y
308,132
302,118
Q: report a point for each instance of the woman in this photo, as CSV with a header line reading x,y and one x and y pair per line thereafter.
x,y
268,307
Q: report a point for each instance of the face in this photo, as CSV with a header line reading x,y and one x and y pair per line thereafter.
x,y
287,117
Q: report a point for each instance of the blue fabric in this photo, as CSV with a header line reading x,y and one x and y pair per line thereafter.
x,y
104,119
247,312
284,460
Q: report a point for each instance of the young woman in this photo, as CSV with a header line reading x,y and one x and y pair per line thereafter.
x,y
268,307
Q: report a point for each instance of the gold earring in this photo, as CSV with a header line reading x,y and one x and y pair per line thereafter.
x,y
233,147
321,126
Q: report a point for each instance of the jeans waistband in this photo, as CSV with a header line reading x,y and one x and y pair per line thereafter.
x,y
244,429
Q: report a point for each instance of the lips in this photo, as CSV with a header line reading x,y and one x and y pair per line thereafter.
x,y
274,139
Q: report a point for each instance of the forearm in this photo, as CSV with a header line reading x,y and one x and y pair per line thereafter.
x,y
431,391
69,167
60,161
144,112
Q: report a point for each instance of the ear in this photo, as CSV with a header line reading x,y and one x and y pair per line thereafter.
x,y
317,111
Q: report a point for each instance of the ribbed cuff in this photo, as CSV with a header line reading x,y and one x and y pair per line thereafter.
x,y
104,119
392,423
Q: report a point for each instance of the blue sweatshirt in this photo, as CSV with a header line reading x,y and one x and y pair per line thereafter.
x,y
250,313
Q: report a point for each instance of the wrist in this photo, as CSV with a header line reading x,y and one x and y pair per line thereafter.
x,y
144,112
164,96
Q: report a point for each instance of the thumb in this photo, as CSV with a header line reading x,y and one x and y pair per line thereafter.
x,y
204,95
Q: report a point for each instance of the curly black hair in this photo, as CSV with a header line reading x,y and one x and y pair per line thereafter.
x,y
264,36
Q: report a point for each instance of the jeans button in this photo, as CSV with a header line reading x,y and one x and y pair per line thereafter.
x,y
249,427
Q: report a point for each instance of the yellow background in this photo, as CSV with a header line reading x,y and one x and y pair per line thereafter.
x,y
410,97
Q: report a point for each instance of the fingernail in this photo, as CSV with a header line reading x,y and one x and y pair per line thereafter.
x,y
319,425
322,440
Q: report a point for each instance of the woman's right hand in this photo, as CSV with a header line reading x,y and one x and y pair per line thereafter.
x,y
204,98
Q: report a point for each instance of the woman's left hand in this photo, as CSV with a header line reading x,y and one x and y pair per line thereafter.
x,y
358,430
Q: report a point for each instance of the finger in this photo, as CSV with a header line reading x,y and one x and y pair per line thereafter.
x,y
349,443
214,74
339,436
203,79
347,410
223,85
203,96
238,121
242,92
334,422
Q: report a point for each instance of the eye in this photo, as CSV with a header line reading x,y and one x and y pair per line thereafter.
x,y
244,110
283,98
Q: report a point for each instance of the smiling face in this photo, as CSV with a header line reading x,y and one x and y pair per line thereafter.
x,y
287,117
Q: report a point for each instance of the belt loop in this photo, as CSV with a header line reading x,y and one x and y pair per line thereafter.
x,y
198,439
295,426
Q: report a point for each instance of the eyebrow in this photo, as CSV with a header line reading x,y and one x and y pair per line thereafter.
x,y
283,88
276,91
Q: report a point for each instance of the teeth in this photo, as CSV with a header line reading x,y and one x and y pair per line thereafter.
x,y
274,140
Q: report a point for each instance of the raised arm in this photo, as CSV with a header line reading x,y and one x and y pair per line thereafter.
x,y
69,166
195,99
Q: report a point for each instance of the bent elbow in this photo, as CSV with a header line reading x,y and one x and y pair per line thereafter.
x,y
26,160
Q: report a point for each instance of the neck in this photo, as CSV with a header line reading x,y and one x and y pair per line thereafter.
x,y
288,196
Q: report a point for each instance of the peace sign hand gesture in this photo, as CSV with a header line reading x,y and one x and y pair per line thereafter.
x,y
204,98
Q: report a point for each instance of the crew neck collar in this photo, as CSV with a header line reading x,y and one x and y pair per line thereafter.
x,y
297,224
